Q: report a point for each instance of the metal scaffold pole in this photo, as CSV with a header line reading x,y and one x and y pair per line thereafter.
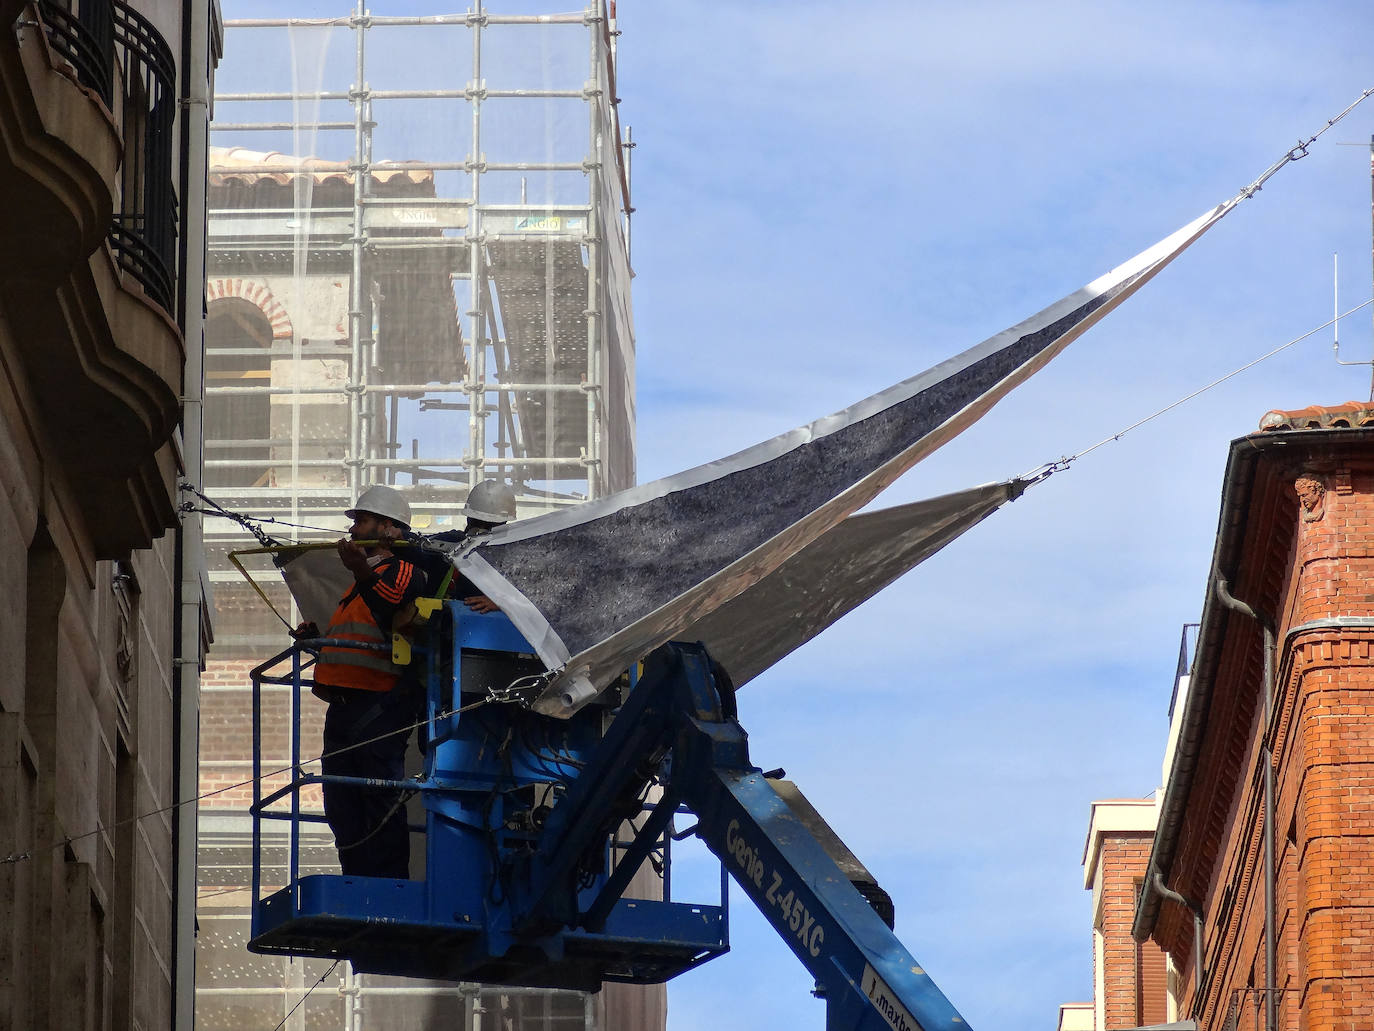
x,y
477,367
595,233
359,307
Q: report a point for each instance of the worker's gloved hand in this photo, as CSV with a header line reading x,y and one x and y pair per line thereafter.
x,y
481,603
354,558
305,632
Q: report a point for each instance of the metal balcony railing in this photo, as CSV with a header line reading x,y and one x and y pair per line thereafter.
x,y
119,55
144,233
83,34
1187,650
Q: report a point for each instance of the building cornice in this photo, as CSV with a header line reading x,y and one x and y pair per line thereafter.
x,y
1114,816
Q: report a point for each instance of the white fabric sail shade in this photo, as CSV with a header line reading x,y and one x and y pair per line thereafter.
x,y
596,587
727,552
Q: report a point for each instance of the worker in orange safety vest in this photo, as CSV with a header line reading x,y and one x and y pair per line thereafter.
x,y
371,705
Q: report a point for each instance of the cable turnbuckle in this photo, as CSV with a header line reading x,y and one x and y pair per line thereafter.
x,y
520,692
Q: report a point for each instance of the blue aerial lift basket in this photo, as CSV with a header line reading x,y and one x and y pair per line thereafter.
x,y
490,774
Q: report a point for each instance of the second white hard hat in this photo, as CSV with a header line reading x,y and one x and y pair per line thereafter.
x,y
379,499
491,501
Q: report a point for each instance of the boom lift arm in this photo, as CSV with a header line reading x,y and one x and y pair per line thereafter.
x,y
675,723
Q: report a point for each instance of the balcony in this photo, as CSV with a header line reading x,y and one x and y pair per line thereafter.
x,y
144,231
119,56
87,148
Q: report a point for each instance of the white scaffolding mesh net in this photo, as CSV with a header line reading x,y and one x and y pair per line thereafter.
x,y
418,275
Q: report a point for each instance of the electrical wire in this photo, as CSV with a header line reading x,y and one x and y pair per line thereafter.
x,y
225,891
403,795
491,896
1047,470
19,857
552,762
301,1002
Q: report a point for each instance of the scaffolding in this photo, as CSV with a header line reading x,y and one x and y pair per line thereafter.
x,y
541,377
418,274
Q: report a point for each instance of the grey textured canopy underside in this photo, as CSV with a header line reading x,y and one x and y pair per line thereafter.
x,y
596,587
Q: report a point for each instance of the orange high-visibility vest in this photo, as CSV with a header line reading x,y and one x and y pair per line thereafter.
x,y
366,670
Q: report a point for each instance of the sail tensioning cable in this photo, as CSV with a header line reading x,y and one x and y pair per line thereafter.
x,y
1047,470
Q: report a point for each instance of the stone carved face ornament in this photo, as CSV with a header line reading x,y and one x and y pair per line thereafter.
x,y
1312,496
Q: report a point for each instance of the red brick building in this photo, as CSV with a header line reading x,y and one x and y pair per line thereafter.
x,y
1259,882
1129,977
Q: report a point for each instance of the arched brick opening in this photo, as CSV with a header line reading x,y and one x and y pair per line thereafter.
x,y
256,294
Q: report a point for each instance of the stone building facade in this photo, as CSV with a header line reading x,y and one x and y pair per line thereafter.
x,y
102,129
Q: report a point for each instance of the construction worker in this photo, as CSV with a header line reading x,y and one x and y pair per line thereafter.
x,y
490,504
370,704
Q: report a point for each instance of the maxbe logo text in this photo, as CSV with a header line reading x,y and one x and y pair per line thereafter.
x,y
794,912
893,1013
886,1002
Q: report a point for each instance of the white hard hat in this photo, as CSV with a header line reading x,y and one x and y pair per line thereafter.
x,y
379,499
491,501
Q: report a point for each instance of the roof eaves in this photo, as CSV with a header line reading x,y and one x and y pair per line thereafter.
x,y
1236,486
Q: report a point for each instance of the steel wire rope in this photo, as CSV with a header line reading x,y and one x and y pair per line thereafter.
x,y
222,891
18,857
224,513
1294,153
301,1001
1300,150
248,523
1297,152
1048,469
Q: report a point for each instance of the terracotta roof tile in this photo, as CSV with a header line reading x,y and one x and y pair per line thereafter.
x,y
229,164
1318,417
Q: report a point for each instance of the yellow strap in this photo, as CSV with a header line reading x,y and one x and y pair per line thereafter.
x,y
234,559
277,549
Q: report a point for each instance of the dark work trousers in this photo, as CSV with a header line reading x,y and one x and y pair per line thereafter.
x,y
369,824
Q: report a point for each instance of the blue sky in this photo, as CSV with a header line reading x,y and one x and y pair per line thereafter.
x,y
832,197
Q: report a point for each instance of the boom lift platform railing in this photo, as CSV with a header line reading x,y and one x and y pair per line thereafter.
x,y
523,815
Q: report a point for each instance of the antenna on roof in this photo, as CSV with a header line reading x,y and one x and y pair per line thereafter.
x,y
1335,334
1336,307
1336,322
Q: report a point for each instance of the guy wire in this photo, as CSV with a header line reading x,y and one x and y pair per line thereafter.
x,y
1050,468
